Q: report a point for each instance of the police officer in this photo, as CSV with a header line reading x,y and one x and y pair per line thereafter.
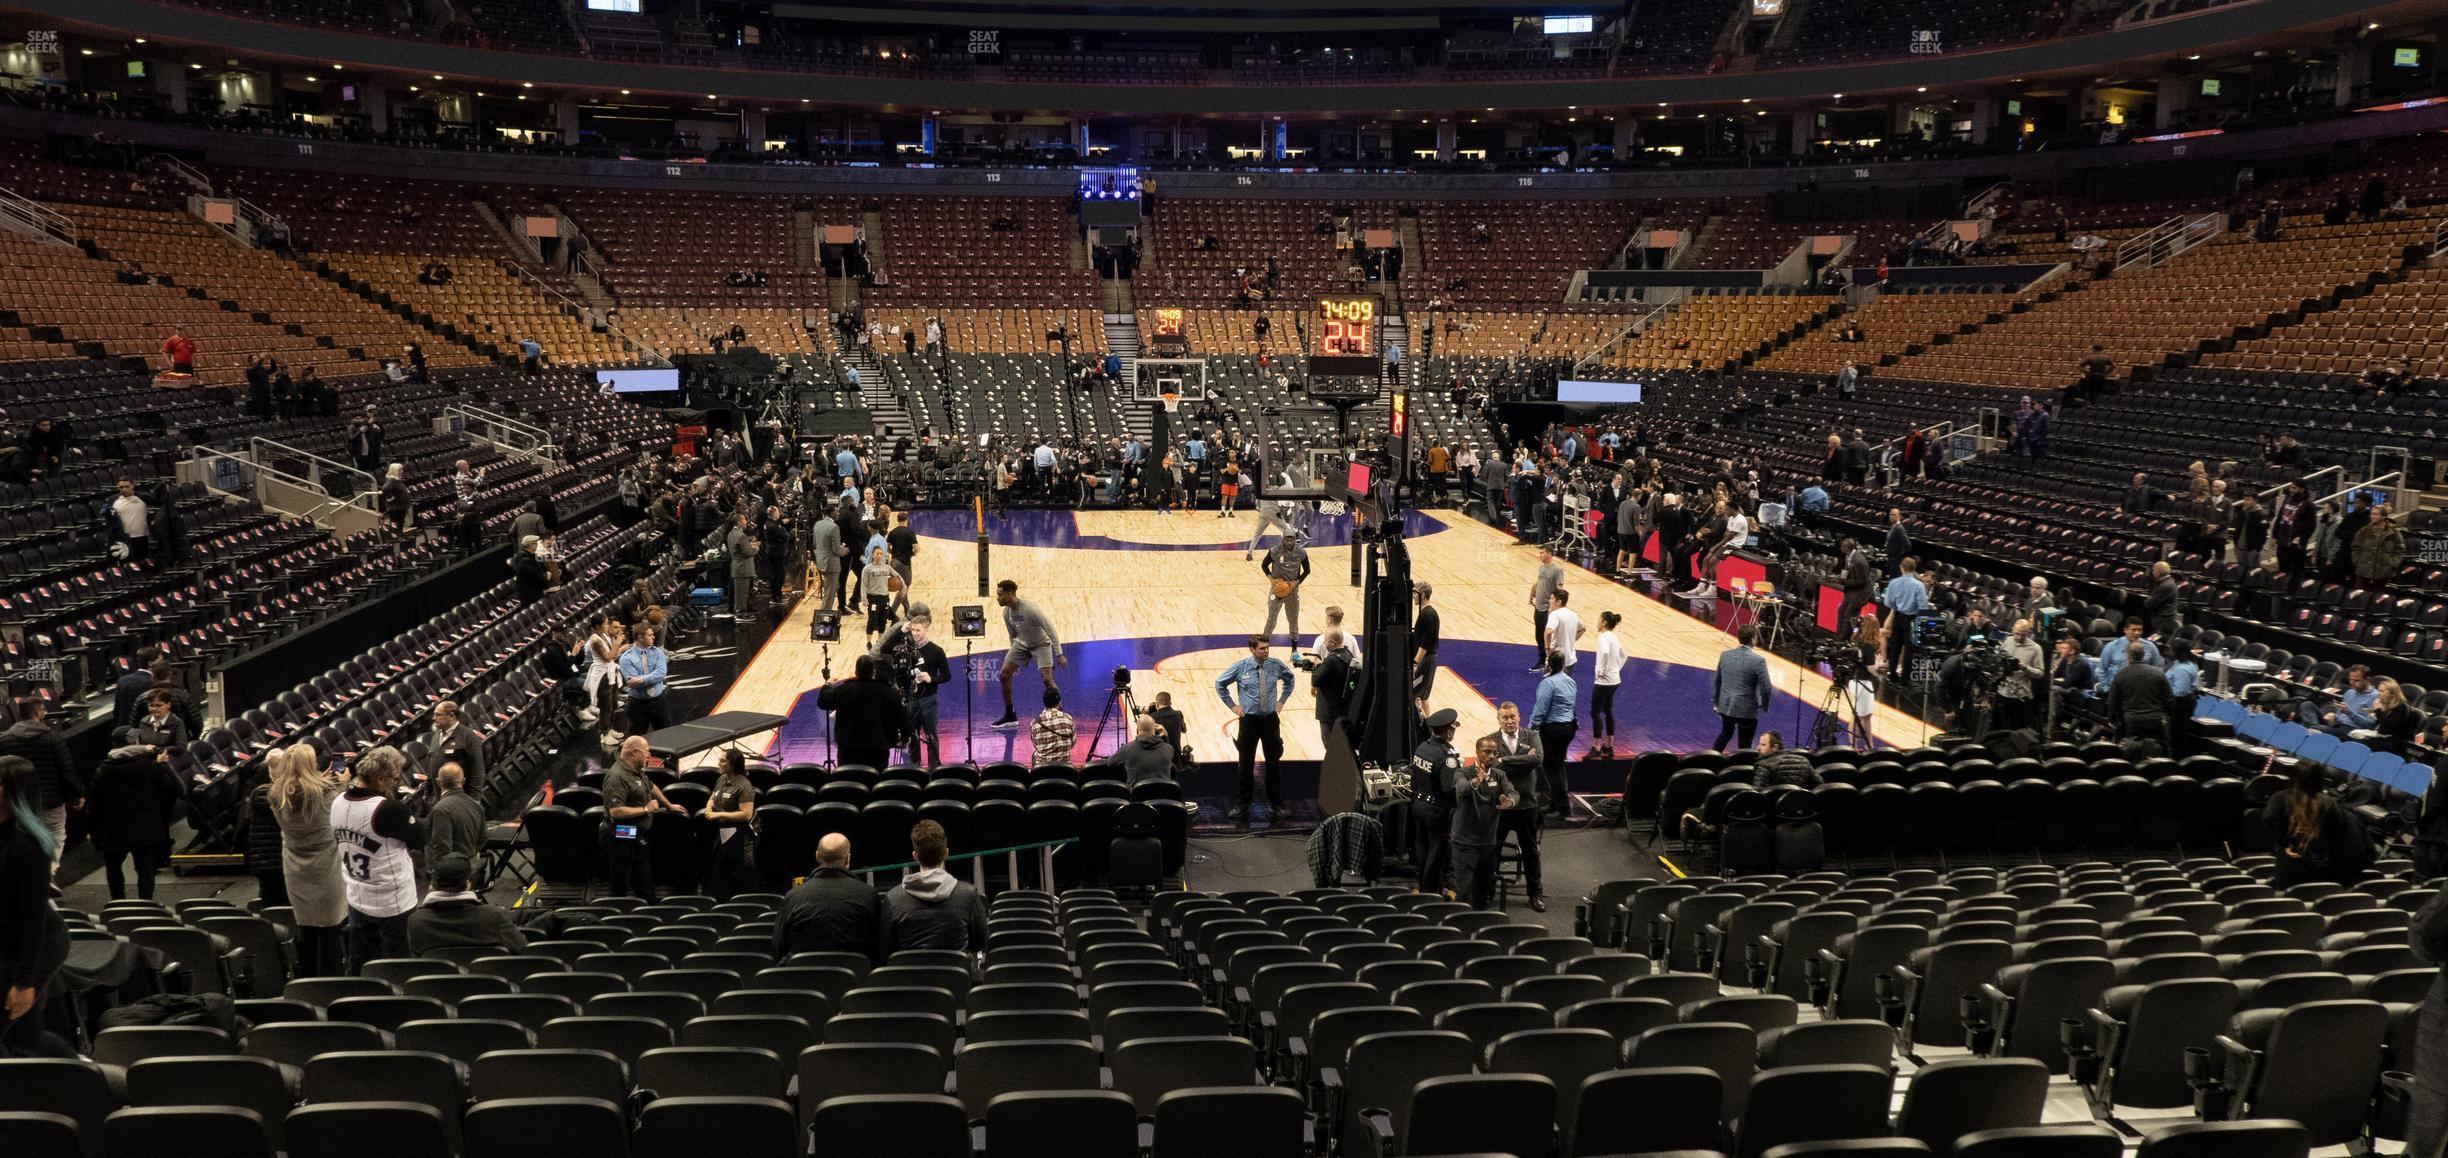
x,y
1434,765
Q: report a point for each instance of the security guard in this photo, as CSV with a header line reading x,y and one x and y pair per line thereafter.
x,y
1434,764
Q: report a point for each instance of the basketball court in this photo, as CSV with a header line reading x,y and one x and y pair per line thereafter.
x,y
1170,598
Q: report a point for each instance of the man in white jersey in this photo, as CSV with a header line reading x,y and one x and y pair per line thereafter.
x,y
374,831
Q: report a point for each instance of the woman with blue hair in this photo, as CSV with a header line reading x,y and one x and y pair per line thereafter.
x,y
33,939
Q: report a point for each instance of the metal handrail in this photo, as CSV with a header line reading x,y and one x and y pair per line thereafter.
x,y
1943,428
2141,246
196,181
1632,330
2273,492
2391,480
585,311
486,426
1044,849
2161,242
38,219
2404,496
362,500
364,480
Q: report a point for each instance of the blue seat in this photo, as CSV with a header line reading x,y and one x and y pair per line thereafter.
x,y
2396,772
2257,727
2287,737
2348,756
2318,746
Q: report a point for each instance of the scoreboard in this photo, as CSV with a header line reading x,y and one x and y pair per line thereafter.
x,y
1344,341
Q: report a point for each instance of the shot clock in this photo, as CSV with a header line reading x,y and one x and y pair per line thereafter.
x,y
1343,344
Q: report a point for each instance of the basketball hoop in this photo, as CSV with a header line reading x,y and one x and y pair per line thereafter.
x,y
1172,402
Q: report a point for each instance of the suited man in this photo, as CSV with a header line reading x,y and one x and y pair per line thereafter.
x,y
1519,755
1674,527
1857,458
2163,609
1740,689
1858,578
1609,503
159,727
453,742
1899,540
825,555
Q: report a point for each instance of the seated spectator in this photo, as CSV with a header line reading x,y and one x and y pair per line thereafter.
x,y
931,908
2071,675
1779,766
1147,756
832,911
452,916
2354,710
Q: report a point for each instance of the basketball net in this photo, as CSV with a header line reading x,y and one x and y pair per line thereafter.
x,y
1172,402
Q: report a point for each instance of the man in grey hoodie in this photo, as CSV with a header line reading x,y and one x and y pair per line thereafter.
x,y
931,908
1147,756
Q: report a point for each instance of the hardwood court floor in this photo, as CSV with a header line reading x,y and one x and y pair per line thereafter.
x,y
1170,597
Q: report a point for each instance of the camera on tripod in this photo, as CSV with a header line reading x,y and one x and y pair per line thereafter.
x,y
824,627
1843,660
1121,677
1982,656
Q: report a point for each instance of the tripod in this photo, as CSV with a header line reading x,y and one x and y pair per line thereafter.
x,y
969,708
825,656
1117,696
1837,711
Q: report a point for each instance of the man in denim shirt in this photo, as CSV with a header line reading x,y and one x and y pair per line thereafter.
x,y
1255,688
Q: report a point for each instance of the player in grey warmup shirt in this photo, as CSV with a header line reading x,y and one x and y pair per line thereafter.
x,y
1032,642
1542,600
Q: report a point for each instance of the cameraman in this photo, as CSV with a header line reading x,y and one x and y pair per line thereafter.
x,y
867,715
2015,691
917,665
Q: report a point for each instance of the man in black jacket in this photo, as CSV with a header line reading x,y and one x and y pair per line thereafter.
x,y
1857,458
2138,699
931,908
2163,608
1331,682
1857,577
128,693
832,910
867,716
2138,498
453,916
54,768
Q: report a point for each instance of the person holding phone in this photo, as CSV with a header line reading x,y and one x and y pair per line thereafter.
x,y
1481,792
631,801
374,831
